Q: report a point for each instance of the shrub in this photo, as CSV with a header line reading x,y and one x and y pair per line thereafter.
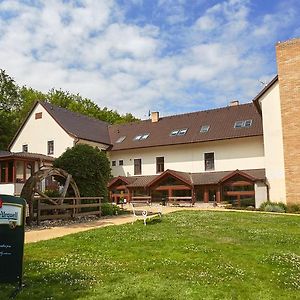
x,y
273,206
108,209
89,167
293,208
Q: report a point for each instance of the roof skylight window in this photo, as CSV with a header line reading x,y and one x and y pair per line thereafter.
x,y
243,124
120,139
141,137
144,136
178,132
174,132
182,131
204,128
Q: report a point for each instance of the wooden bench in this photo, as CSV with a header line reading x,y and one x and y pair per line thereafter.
x,y
145,210
178,201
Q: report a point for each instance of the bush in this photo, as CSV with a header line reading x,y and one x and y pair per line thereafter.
x,y
89,167
293,208
273,207
108,209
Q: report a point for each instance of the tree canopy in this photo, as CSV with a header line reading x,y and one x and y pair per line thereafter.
x,y
16,102
89,167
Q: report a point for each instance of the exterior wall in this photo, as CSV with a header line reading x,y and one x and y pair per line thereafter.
x,y
7,189
36,134
273,144
261,193
288,60
93,144
242,153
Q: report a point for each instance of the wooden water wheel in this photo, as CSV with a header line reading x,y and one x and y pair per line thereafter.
x,y
34,183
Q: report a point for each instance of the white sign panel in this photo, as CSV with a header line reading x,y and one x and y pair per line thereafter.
x,y
11,213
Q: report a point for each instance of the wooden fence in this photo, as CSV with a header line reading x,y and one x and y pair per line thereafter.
x,y
71,208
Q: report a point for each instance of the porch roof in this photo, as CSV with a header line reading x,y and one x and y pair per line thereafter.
x,y
24,155
203,178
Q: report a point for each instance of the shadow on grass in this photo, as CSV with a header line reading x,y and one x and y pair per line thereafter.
x,y
63,285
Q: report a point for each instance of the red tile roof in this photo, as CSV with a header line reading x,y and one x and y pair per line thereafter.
x,y
220,120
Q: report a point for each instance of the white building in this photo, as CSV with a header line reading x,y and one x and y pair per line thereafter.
x,y
235,153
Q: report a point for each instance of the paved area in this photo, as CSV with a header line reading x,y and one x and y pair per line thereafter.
x,y
54,232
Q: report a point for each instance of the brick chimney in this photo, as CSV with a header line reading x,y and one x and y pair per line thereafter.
x,y
234,103
288,63
154,116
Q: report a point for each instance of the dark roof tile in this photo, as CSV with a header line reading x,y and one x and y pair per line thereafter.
x,y
79,125
220,120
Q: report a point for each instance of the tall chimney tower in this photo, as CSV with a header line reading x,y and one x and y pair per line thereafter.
x,y
288,63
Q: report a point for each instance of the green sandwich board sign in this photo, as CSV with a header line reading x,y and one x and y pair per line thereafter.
x,y
12,231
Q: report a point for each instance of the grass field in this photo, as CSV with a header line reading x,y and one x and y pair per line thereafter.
x,y
189,255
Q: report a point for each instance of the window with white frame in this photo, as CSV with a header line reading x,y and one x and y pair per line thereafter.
x,y
50,147
209,161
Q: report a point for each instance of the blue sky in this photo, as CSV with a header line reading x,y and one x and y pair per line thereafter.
x,y
173,56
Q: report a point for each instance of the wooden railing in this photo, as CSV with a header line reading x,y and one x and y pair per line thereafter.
x,y
71,208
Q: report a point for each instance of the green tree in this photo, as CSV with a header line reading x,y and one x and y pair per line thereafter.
x,y
89,167
10,99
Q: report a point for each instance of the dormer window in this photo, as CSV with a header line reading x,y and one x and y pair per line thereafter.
x,y
178,132
204,128
243,124
120,139
141,137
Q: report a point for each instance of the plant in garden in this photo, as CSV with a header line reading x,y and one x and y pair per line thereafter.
x,y
273,207
89,167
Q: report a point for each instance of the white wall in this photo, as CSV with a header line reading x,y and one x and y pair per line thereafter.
x,y
242,153
36,133
7,188
261,193
273,144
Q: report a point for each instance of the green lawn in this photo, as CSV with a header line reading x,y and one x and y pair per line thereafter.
x,y
189,255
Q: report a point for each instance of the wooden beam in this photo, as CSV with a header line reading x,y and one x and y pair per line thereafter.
x,y
206,195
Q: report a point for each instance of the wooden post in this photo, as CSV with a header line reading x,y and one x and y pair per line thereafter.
x,y
24,171
206,195
218,194
193,195
14,171
38,211
6,172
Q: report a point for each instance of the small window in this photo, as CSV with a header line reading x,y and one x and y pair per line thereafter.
x,y
141,137
204,128
121,139
121,162
174,132
243,124
137,138
145,136
178,132
160,164
50,147
25,148
182,131
38,115
137,166
209,161
113,163
248,123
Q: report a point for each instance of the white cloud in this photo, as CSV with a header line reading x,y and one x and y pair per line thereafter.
x,y
94,50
